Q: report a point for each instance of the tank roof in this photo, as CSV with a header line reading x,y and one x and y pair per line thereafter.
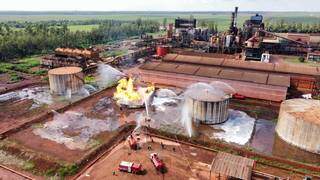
x,y
303,109
206,92
65,70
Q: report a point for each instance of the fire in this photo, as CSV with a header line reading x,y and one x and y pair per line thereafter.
x,y
126,93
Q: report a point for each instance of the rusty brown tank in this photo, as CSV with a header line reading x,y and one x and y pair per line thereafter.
x,y
70,52
65,79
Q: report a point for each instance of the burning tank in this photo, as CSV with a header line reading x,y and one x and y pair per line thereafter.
x,y
208,103
299,124
65,79
129,96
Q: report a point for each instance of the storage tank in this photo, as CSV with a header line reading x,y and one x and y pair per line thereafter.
x,y
299,124
208,104
65,79
162,50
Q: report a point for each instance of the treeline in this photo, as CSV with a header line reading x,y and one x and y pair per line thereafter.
x,y
38,38
24,24
285,27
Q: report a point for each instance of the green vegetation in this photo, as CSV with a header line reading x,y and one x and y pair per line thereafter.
x,y
114,53
42,37
40,72
14,77
28,166
23,65
298,60
284,26
68,170
87,28
89,80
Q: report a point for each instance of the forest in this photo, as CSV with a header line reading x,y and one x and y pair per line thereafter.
x,y
292,27
42,37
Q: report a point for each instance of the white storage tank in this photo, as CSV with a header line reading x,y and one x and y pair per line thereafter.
x,y
208,103
299,124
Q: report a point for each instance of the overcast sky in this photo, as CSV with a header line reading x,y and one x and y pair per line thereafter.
x,y
160,5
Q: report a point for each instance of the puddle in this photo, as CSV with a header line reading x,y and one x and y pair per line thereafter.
x,y
74,130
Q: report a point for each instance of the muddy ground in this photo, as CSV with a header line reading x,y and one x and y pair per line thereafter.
x,y
51,153
185,162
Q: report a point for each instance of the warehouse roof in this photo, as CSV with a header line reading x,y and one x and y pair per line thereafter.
x,y
251,65
220,72
232,166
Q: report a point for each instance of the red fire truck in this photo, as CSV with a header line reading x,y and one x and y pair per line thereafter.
x,y
158,164
130,167
132,143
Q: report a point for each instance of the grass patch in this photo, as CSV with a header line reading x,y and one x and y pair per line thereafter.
x,y
89,80
114,53
23,65
28,166
297,60
68,170
40,72
14,77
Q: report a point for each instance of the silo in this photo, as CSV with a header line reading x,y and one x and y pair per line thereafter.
x,y
299,124
208,105
65,79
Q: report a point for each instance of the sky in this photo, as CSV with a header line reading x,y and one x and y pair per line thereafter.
x,y
159,5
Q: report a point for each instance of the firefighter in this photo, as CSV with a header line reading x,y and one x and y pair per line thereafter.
x,y
113,173
174,149
162,145
149,147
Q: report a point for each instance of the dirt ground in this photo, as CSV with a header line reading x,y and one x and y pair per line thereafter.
x,y
183,163
186,162
26,140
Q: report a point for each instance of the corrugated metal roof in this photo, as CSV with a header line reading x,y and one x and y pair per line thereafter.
x,y
187,69
167,67
208,72
170,57
252,65
255,77
249,65
188,59
232,165
231,74
223,73
212,61
150,66
279,80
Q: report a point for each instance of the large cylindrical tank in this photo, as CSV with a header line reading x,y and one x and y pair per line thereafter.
x,y
162,50
299,124
65,79
207,105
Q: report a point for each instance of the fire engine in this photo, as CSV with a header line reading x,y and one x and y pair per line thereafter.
x,y
132,143
158,164
130,167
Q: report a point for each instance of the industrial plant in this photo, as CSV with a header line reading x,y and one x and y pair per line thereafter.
x,y
191,104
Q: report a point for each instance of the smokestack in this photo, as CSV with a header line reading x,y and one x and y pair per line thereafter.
x,y
235,16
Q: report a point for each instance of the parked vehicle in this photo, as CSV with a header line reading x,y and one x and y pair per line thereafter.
x,y
130,167
132,143
157,162
238,96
